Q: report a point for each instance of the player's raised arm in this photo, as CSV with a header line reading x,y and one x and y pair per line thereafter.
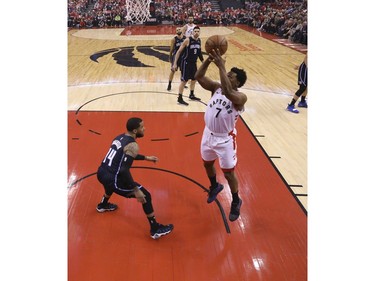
x,y
204,81
229,81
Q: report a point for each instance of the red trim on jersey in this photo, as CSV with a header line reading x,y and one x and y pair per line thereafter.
x,y
234,139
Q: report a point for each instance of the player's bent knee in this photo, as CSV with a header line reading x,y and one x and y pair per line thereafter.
x,y
228,171
208,163
147,207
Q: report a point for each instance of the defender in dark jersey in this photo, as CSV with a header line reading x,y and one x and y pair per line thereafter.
x,y
175,45
114,174
302,90
190,51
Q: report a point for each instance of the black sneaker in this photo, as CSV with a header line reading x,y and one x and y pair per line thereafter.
x,y
302,104
235,210
213,192
162,230
106,207
181,101
192,97
169,88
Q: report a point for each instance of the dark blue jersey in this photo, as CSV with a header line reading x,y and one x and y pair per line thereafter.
x,y
177,44
193,50
114,160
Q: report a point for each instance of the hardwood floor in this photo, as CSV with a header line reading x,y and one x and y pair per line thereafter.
x,y
103,62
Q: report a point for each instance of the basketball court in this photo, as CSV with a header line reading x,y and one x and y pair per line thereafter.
x,y
115,74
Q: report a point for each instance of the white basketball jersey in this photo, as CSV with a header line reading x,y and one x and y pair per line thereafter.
x,y
220,116
189,30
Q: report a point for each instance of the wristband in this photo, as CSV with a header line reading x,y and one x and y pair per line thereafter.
x,y
140,157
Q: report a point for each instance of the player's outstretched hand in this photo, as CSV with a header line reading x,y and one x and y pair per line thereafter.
x,y
152,158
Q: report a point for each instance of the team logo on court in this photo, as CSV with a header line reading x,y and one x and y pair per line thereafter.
x,y
126,55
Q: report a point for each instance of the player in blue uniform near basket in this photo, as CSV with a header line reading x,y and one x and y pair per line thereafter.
x,y
175,45
302,90
190,50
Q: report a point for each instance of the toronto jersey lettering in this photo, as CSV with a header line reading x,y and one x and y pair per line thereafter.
x,y
115,157
193,50
221,116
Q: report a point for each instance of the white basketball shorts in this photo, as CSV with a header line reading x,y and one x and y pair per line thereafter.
x,y
221,146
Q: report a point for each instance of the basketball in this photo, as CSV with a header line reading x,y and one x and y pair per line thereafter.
x,y
216,42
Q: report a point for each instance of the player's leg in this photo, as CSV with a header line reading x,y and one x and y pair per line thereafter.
x,y
231,177
192,70
303,102
302,76
192,87
301,90
228,161
104,205
156,229
209,156
170,78
171,75
183,82
303,81
106,180
215,187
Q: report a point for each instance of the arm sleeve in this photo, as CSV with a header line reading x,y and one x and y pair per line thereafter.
x,y
140,157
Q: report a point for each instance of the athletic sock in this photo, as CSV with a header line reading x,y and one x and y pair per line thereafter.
x,y
104,200
303,98
235,197
292,102
213,181
192,93
153,223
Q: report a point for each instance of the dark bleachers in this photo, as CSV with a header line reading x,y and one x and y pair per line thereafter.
x,y
235,4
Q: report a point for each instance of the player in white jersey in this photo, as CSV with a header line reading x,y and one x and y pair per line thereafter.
x,y
188,28
219,135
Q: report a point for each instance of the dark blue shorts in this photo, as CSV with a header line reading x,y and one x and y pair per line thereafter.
x,y
188,70
302,74
113,183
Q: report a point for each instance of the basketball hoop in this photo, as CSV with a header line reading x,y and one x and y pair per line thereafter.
x,y
138,10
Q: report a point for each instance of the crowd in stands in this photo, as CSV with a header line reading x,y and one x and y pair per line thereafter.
x,y
286,19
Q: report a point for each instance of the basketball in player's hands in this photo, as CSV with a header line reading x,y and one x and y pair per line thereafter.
x,y
216,42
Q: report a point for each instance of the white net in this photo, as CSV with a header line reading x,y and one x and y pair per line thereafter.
x,y
138,10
